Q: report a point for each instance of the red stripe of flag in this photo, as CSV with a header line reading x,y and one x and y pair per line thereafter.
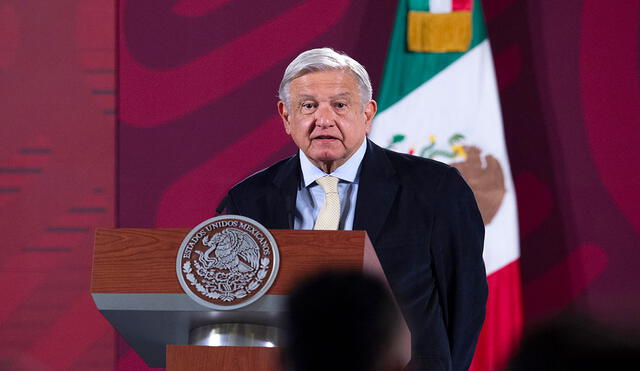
x,y
503,323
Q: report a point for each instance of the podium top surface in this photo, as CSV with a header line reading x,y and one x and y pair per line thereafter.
x,y
136,260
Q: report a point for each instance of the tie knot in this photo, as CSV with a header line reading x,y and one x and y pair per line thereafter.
x,y
328,183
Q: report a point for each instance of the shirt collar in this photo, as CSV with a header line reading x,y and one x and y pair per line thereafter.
x,y
347,171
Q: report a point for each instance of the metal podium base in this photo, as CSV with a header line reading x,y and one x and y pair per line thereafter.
x,y
236,334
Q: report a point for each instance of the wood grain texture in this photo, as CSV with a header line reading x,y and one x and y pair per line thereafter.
x,y
201,358
135,260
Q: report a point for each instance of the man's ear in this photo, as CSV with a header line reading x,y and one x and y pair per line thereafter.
x,y
370,110
284,115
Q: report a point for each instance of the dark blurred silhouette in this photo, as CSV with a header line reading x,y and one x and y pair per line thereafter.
x,y
342,320
574,342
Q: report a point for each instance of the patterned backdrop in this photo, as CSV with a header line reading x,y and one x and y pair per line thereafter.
x,y
57,138
197,93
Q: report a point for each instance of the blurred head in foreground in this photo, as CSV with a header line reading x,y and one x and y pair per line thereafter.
x,y
342,321
576,343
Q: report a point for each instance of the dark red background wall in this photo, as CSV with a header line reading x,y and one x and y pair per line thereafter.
x,y
197,92
570,90
57,136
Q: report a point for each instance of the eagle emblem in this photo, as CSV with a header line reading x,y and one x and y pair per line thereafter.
x,y
233,250
227,262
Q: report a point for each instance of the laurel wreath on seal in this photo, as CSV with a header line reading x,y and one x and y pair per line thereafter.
x,y
224,295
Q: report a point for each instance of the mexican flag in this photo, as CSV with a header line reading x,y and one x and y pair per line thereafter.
x,y
439,99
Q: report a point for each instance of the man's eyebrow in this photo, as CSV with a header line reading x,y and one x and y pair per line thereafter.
x,y
305,96
302,97
341,95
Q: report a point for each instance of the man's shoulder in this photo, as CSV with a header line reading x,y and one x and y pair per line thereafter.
x,y
264,178
412,167
430,178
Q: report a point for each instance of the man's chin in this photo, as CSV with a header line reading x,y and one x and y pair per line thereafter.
x,y
326,160
325,157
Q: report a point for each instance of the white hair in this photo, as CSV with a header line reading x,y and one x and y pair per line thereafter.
x,y
324,59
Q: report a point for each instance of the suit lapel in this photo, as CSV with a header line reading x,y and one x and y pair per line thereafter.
x,y
376,191
282,204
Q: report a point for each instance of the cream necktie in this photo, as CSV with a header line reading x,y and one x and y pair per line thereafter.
x,y
329,216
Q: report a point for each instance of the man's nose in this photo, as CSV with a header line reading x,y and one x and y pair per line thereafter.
x,y
324,116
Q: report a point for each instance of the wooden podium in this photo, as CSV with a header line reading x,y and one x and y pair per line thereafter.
x,y
135,286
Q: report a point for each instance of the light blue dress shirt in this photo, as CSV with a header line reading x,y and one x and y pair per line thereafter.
x,y
310,196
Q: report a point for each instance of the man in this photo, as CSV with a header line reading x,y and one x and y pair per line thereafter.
x,y
420,214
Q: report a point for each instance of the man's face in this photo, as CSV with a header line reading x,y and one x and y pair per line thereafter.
x,y
326,118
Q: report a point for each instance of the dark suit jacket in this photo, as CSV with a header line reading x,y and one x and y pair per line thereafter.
x,y
427,231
